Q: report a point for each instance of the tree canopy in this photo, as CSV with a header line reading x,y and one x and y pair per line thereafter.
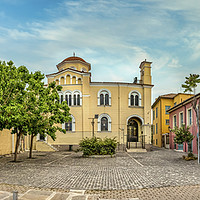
x,y
27,106
182,135
191,83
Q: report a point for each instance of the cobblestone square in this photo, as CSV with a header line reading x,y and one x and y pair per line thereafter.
x,y
128,175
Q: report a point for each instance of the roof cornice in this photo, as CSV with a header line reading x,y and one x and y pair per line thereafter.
x,y
70,70
189,100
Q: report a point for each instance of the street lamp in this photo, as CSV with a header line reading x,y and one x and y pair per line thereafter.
x,y
92,122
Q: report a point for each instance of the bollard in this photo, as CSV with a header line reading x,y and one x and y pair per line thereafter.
x,y
15,195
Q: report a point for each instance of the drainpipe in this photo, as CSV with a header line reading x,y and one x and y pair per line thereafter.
x,y
119,113
160,121
13,143
185,122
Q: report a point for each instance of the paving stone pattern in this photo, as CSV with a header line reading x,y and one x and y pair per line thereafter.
x,y
124,175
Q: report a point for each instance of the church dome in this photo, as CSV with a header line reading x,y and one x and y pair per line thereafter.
x,y
74,58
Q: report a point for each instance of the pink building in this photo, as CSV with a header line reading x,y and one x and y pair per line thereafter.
x,y
184,114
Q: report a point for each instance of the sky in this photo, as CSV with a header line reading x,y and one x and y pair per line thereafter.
x,y
115,36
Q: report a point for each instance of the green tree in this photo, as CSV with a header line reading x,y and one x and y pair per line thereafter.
x,y
182,135
191,83
26,106
44,109
13,82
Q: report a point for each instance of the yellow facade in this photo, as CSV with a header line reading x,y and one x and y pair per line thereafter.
x,y
123,109
6,142
161,119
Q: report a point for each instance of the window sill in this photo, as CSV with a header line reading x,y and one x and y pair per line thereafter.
x,y
104,131
136,106
70,131
104,105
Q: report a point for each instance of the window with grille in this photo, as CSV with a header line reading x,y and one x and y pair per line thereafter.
x,y
104,124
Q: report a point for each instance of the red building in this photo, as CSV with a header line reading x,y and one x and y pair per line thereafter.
x,y
183,114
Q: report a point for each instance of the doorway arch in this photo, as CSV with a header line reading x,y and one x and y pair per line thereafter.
x,y
132,130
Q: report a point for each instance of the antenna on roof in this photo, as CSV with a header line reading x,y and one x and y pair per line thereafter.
x,y
74,54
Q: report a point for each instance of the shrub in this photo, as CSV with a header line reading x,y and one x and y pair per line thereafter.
x,y
97,146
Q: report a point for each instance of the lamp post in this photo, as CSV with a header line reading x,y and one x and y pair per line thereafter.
x,y
122,129
198,115
92,122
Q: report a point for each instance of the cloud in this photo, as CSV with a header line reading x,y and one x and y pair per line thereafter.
x,y
114,36
174,63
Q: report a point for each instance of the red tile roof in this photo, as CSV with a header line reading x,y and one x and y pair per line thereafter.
x,y
73,58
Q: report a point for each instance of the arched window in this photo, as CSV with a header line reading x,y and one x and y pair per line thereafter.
x,y
77,98
79,81
70,125
104,97
68,98
74,80
61,98
68,78
101,99
104,122
62,80
84,70
134,98
74,99
57,81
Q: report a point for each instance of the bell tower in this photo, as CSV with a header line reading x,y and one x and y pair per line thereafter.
x,y
145,72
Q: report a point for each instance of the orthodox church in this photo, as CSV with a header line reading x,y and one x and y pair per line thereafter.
x,y
103,109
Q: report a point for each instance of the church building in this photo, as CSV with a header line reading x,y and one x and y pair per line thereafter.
x,y
103,109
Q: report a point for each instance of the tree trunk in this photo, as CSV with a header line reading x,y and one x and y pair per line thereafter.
x,y
17,145
31,147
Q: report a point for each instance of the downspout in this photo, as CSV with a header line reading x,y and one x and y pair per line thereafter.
x,y
185,123
13,143
119,113
161,121
82,106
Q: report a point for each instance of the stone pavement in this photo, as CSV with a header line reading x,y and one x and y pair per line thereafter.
x,y
164,193
160,174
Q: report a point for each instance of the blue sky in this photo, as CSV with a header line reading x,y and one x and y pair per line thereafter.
x,y
115,36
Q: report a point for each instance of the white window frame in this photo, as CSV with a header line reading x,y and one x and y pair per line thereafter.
x,y
109,122
70,78
188,118
73,124
61,93
76,92
75,78
173,121
68,92
166,113
104,92
84,70
180,125
129,97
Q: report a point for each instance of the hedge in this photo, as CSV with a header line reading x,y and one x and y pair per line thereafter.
x,y
98,146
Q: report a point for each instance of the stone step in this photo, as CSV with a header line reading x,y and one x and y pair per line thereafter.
x,y
135,145
136,150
